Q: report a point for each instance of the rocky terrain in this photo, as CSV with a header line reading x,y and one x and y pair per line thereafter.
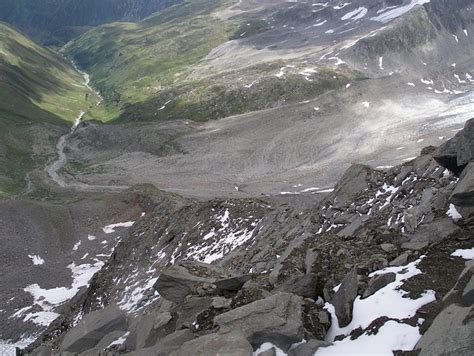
x,y
237,178
384,261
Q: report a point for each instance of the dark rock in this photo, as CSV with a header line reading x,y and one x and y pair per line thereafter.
x,y
463,194
93,327
378,282
352,229
308,348
276,318
148,329
305,286
401,260
354,181
232,343
457,152
221,302
344,298
450,334
232,284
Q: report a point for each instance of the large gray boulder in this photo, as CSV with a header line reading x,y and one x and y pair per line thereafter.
x,y
166,345
451,333
378,282
277,318
355,180
230,344
457,152
191,277
343,300
463,194
92,329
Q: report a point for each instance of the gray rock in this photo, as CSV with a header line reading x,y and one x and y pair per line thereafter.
x,y
352,229
109,338
93,327
277,319
229,344
415,246
310,259
450,334
388,247
354,181
166,345
439,230
308,348
177,282
378,282
457,152
305,286
463,194
221,302
401,260
148,329
344,298
232,284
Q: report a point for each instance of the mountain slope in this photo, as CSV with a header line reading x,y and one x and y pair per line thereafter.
x,y
41,92
54,22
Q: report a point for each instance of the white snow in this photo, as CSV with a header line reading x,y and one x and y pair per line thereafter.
x,y
91,237
76,246
456,38
467,254
465,32
37,260
48,299
355,15
390,301
120,340
111,228
391,336
317,24
366,104
453,213
411,84
267,346
381,63
393,13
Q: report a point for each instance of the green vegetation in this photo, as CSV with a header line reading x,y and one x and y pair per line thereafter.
x,y
55,22
131,63
40,91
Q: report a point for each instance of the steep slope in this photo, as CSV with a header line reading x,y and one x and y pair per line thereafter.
x,y
377,259
41,94
55,22
297,88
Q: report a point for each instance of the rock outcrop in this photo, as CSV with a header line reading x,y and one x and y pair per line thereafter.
x,y
283,274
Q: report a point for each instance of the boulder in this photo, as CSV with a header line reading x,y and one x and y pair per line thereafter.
x,y
439,230
308,348
401,260
93,327
305,286
166,345
463,194
191,277
344,298
230,344
457,152
378,282
149,329
275,319
450,334
353,228
177,282
354,181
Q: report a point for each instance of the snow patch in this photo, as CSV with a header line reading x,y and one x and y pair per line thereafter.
x,y
111,228
467,254
37,260
453,213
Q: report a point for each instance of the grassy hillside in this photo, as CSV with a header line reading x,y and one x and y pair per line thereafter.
x,y
143,69
40,93
55,22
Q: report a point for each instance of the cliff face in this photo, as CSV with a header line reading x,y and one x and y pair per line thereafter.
x,y
229,276
55,22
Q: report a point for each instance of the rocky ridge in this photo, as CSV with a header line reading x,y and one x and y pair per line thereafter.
x,y
253,275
